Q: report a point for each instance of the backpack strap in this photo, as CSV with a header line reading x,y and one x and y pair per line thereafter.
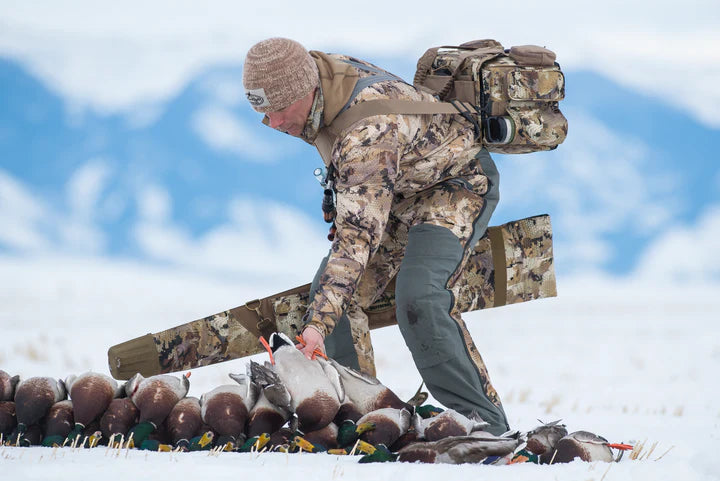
x,y
394,106
327,135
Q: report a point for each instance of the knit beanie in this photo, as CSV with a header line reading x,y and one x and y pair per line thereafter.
x,y
278,72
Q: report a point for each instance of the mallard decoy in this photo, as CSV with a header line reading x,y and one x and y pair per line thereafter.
x,y
161,434
324,438
265,417
58,423
447,423
33,399
32,436
380,454
584,445
204,442
225,409
282,437
155,445
8,419
428,411
254,443
7,386
411,436
184,422
349,432
309,388
154,397
542,440
479,448
119,417
366,392
91,394
390,424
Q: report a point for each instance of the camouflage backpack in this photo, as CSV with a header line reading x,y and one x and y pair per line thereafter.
x,y
511,96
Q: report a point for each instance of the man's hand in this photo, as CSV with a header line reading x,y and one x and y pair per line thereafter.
x,y
312,343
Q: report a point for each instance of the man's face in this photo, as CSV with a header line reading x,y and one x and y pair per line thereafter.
x,y
292,118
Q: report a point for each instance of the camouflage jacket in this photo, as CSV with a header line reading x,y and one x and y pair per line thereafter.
x,y
378,160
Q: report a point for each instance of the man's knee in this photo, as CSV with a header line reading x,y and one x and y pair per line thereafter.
x,y
423,302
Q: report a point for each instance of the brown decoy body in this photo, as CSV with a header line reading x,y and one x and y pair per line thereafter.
x,y
226,409
33,399
390,424
447,423
119,417
325,437
7,386
91,394
8,418
584,445
184,421
543,439
59,420
155,396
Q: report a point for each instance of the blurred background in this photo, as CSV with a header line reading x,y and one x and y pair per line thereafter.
x,y
138,189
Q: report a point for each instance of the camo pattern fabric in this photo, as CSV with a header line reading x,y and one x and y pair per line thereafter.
x,y
379,162
547,84
360,333
206,341
475,289
539,124
289,311
529,95
528,249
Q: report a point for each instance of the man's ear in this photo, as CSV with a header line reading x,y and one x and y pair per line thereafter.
x,y
266,120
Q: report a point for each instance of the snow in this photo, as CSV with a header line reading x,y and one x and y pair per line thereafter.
x,y
632,361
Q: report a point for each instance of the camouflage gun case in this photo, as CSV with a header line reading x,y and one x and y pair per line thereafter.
x,y
512,263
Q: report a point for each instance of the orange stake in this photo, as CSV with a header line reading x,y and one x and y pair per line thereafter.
x,y
268,348
300,339
623,447
318,352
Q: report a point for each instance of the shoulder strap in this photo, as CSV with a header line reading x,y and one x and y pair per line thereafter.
x,y
327,135
392,106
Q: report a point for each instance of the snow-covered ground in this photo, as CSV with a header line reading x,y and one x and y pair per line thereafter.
x,y
631,361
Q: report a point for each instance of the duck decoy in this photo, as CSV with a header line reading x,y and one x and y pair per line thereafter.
x,y
91,394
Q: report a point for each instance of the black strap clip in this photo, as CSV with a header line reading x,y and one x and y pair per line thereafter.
x,y
471,115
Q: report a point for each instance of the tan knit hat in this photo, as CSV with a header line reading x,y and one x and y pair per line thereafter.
x,y
278,72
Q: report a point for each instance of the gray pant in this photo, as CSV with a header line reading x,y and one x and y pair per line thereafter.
x,y
440,345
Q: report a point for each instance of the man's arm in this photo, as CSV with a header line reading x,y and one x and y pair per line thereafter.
x,y
366,160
